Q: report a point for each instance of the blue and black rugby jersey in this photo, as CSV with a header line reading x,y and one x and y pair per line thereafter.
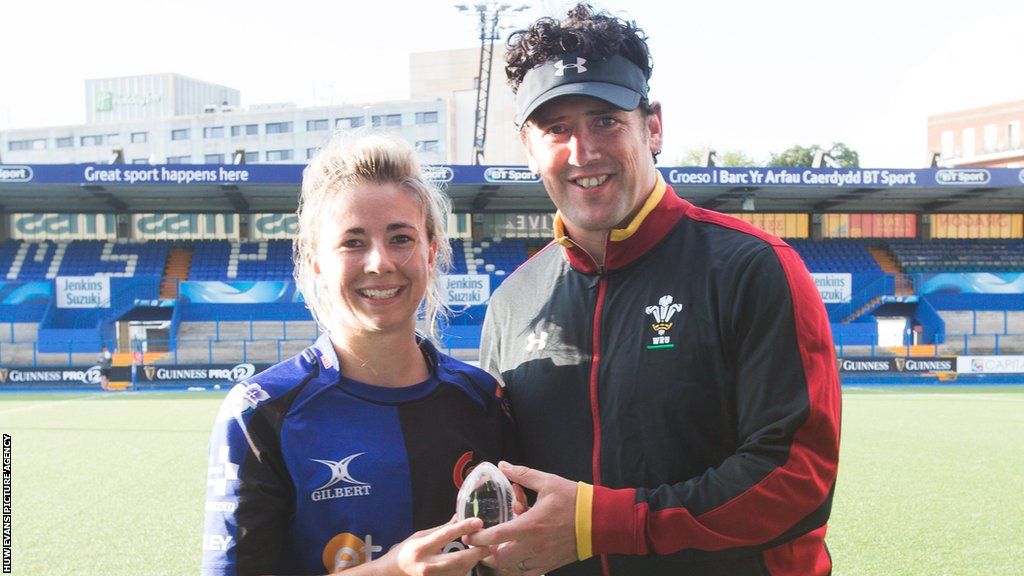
x,y
311,472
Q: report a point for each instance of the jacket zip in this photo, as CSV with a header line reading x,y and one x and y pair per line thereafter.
x,y
595,358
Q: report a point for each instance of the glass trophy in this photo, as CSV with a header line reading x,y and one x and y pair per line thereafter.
x,y
485,494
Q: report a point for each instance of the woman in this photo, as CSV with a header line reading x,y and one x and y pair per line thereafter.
x,y
329,461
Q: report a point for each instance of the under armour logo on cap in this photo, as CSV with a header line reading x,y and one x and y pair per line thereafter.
x,y
560,66
615,80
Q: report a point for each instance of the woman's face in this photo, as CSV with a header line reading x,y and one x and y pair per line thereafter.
x,y
374,257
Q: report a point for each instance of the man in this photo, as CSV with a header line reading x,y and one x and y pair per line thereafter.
x,y
105,361
670,369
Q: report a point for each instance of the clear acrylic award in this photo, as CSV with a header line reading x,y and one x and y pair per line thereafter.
x,y
485,494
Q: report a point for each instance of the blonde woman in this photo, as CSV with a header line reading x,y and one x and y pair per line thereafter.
x,y
348,457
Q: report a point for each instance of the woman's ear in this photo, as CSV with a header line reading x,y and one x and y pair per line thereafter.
x,y
315,264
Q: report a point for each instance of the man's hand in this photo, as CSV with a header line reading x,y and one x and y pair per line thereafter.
x,y
540,539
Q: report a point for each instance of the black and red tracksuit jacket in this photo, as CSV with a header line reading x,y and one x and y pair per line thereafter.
x,y
691,379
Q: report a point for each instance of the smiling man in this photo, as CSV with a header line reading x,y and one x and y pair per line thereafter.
x,y
671,369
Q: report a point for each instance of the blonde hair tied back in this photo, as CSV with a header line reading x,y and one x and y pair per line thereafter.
x,y
347,162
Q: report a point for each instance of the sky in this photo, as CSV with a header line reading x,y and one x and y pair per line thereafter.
x,y
751,76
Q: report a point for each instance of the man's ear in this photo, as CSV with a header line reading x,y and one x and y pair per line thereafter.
x,y
654,128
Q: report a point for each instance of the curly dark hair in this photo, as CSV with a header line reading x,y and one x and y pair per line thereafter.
x,y
596,35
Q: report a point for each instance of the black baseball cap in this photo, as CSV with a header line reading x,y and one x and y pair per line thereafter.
x,y
615,80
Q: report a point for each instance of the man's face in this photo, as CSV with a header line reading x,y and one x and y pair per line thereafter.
x,y
595,159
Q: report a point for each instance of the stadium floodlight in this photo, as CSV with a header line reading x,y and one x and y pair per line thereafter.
x,y
819,159
117,156
707,159
933,159
490,15
823,159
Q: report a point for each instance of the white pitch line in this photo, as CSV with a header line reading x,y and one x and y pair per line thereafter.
x,y
969,396
51,403
923,396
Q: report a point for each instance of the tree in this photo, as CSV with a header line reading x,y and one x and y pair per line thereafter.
x,y
729,158
798,156
844,155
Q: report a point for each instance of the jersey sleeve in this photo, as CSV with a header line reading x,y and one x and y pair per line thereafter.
x,y
249,494
778,483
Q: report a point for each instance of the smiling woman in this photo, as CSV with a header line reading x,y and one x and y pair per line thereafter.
x,y
379,177
331,460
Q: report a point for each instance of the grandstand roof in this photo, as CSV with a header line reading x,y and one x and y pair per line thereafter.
x,y
275,188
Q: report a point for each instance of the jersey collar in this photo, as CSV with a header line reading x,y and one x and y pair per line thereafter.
x,y
330,373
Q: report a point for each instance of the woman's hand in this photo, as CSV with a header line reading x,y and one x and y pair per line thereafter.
x,y
422,553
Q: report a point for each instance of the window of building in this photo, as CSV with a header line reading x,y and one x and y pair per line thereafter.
x,y
140,137
112,139
252,157
95,140
66,142
179,134
427,145
213,159
179,159
967,143
245,130
213,132
279,127
350,122
1013,134
426,117
279,155
140,160
388,120
946,143
310,152
316,125
989,137
15,145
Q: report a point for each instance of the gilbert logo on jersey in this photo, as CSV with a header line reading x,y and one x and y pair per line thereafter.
x,y
339,473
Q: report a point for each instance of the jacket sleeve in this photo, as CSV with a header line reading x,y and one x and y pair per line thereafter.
x,y
777,485
248,491
490,360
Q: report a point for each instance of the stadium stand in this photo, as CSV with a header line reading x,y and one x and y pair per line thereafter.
x,y
244,261
27,261
231,341
980,323
974,255
211,333
32,261
836,256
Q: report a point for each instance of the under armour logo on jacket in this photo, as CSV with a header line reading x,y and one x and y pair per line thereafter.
x,y
532,340
560,67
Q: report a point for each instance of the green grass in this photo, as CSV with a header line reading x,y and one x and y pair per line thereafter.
x,y
931,481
